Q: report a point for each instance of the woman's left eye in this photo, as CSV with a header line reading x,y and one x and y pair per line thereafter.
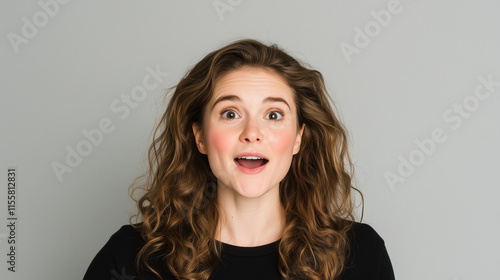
x,y
274,115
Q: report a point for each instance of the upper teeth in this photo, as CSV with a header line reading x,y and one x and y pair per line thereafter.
x,y
247,157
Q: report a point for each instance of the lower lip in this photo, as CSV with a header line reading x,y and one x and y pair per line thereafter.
x,y
250,170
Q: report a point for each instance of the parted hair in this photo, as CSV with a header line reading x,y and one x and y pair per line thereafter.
x,y
178,206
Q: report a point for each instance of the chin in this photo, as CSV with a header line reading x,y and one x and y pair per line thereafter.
x,y
252,190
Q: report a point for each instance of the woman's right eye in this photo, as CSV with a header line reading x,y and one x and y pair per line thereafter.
x,y
230,114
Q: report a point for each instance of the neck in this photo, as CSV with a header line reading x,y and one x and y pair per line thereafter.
x,y
249,222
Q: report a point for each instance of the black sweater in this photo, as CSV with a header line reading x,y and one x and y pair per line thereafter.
x,y
368,259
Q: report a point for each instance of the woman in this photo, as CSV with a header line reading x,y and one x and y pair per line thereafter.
x,y
250,178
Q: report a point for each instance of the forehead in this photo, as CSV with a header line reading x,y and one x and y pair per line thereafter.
x,y
252,82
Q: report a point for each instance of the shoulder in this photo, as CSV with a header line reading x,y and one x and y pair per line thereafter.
x,y
124,243
367,257
363,236
117,256
126,237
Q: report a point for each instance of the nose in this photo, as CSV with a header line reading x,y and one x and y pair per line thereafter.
x,y
251,132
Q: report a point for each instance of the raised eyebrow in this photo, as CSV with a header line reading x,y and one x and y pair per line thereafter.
x,y
276,99
226,97
268,99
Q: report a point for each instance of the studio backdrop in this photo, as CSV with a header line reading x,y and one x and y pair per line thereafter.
x,y
417,84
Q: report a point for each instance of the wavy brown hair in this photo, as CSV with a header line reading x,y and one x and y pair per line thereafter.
x,y
179,209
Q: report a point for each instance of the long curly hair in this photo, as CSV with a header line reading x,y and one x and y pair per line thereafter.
x,y
179,208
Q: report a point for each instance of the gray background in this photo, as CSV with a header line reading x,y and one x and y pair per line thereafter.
x,y
63,75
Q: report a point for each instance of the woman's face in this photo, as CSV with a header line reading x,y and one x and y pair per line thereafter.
x,y
250,131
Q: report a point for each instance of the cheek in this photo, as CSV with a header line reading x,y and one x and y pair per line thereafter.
x,y
283,143
218,142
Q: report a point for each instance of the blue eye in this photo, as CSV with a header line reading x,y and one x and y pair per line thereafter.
x,y
274,115
230,114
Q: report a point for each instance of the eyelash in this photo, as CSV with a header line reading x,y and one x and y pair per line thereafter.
x,y
276,111
227,111
282,114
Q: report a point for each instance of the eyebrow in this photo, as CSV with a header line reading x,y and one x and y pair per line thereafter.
x,y
268,99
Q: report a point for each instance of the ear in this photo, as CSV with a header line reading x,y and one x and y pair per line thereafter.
x,y
298,140
198,138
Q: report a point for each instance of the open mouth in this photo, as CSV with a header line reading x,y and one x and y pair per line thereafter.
x,y
250,162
